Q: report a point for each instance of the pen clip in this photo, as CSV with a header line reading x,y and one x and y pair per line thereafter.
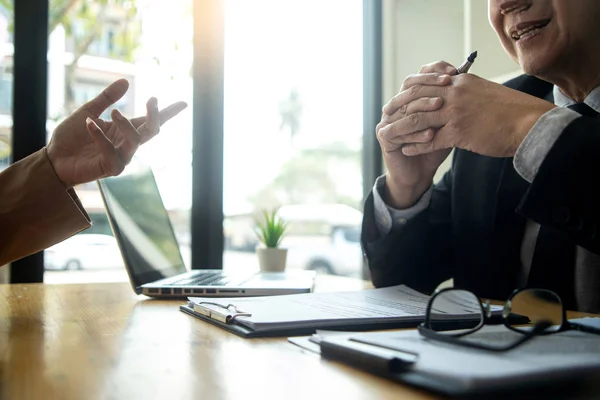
x,y
220,312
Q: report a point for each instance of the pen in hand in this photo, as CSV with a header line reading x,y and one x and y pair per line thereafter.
x,y
464,67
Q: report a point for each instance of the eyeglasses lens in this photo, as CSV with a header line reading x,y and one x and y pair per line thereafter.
x,y
451,306
539,306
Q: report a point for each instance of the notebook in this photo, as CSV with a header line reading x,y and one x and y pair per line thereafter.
x,y
302,314
150,251
548,366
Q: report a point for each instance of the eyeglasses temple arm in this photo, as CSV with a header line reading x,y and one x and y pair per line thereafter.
x,y
488,309
583,328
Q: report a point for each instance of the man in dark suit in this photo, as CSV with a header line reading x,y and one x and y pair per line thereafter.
x,y
519,206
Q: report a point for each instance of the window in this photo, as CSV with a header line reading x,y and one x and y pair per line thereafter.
x,y
94,44
6,87
293,126
6,92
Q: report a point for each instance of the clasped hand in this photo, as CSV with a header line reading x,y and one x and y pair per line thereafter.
x,y
436,111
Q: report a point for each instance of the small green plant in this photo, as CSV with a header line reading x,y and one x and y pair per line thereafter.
x,y
271,230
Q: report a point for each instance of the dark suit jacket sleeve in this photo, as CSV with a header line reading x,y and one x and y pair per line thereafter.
x,y
417,254
36,211
565,194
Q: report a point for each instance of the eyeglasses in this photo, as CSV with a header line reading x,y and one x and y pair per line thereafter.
x,y
542,308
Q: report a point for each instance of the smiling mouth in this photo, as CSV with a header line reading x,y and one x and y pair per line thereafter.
x,y
529,31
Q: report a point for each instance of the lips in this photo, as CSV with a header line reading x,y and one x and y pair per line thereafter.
x,y
525,29
516,9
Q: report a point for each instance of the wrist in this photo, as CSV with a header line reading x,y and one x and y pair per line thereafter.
x,y
401,196
526,123
55,164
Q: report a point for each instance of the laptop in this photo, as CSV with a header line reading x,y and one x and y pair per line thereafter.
x,y
151,253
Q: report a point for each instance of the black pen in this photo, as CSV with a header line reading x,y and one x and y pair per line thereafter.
x,y
464,67
369,357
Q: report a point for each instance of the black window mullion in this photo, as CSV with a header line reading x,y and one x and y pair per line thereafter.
x,y
372,92
207,109
29,103
372,165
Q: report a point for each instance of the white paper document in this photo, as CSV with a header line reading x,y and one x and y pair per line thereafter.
x,y
396,303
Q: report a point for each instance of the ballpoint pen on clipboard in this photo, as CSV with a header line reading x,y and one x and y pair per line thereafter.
x,y
223,313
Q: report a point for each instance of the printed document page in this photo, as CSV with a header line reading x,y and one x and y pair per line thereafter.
x,y
394,303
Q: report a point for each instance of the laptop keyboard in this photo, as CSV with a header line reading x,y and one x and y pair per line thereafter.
x,y
204,279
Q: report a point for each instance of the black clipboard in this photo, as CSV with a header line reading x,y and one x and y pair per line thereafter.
x,y
398,365
225,317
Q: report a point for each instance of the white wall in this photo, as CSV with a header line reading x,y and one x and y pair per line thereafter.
x,y
418,32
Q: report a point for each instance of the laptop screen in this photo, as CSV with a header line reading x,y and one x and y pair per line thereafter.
x,y
141,225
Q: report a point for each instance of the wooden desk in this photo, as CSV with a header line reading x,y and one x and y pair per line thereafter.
x,y
101,341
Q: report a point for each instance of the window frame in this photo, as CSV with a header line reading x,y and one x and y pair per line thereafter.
x,y
29,116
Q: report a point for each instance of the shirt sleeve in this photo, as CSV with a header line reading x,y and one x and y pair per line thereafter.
x,y
36,210
387,217
540,139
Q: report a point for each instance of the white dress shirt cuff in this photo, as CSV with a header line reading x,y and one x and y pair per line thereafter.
x,y
387,217
540,139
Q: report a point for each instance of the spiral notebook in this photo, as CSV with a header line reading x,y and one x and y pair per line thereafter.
x,y
301,314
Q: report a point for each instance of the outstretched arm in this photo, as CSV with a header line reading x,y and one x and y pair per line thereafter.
x,y
38,206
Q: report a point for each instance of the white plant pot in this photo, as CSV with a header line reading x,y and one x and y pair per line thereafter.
x,y
271,259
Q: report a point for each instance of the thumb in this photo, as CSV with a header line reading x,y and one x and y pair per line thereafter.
x,y
108,97
438,67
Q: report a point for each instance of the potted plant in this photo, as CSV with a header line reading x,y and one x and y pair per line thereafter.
x,y
270,231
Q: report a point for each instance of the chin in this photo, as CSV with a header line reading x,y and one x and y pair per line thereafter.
x,y
535,66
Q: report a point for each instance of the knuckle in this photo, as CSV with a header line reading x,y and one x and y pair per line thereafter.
x,y
136,139
382,131
413,119
431,67
116,168
414,90
120,168
406,82
426,135
435,103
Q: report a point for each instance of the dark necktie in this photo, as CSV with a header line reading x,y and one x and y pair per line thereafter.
x,y
553,264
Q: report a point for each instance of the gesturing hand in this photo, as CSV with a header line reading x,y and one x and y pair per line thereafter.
x,y
85,148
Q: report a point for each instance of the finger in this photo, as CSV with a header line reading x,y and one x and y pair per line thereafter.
x,y
126,138
413,93
392,144
152,125
113,164
414,80
440,67
411,124
109,96
416,149
435,79
164,115
419,105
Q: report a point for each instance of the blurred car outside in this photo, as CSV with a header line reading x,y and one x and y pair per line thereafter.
x,y
324,238
239,232
84,251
